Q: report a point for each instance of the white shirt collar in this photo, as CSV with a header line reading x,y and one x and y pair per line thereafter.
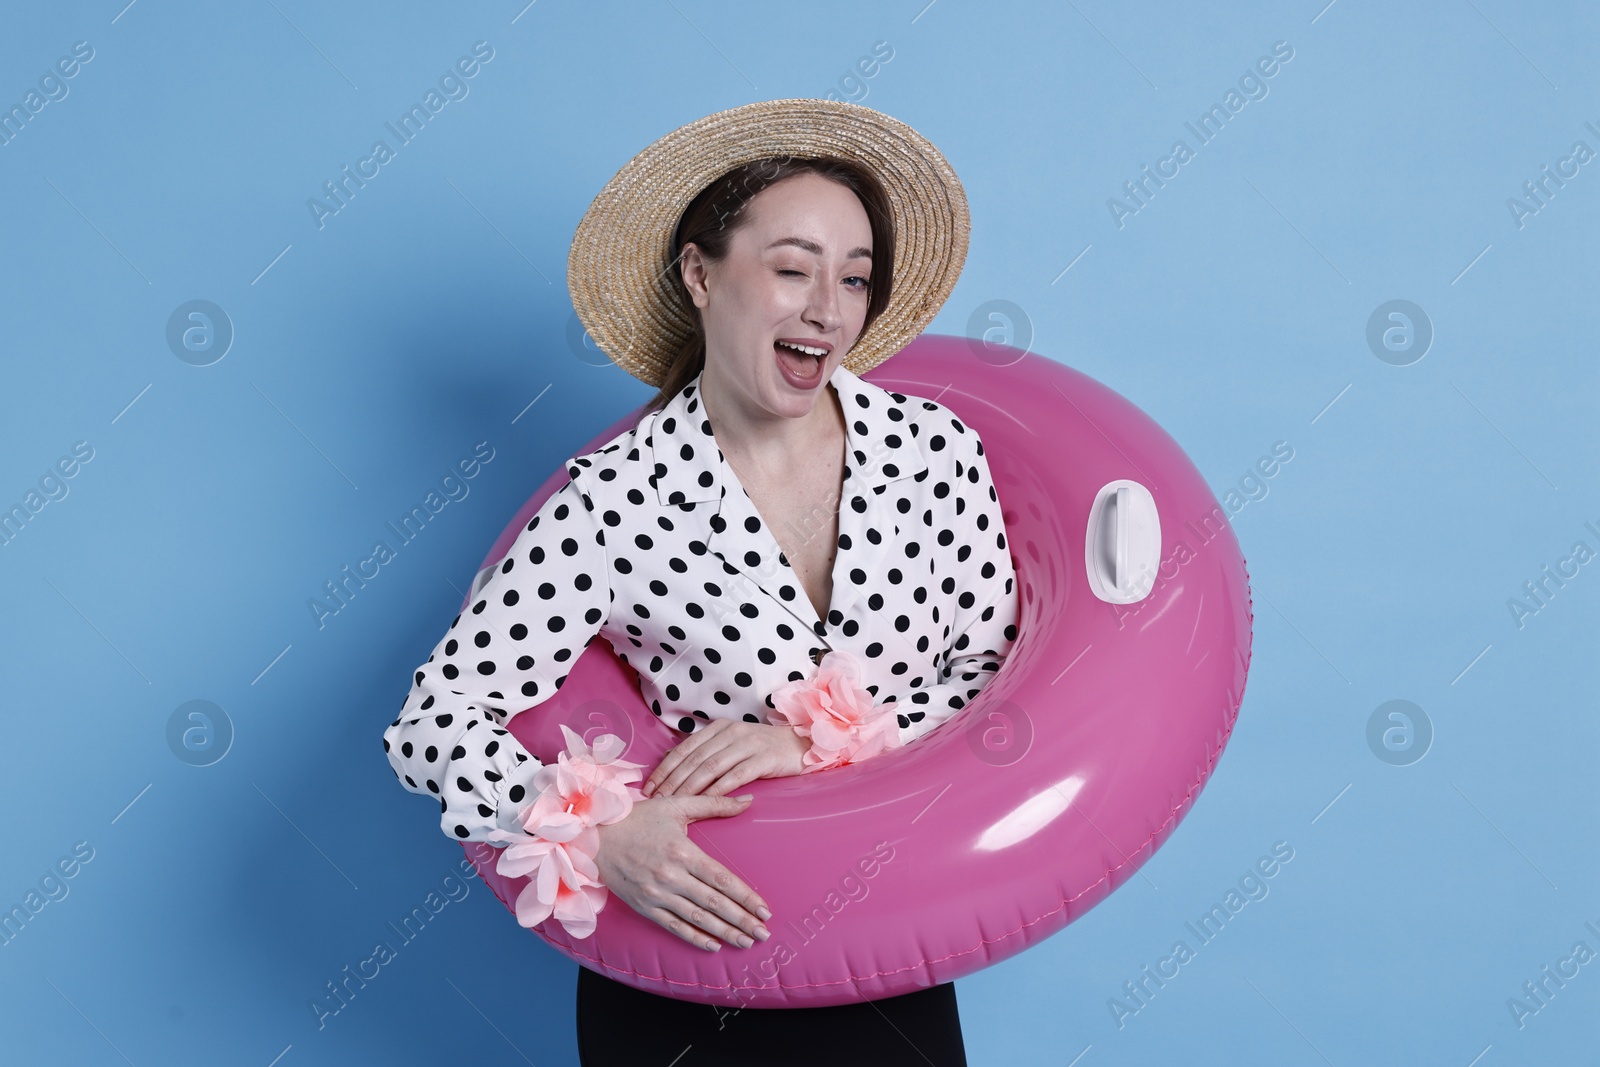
x,y
689,467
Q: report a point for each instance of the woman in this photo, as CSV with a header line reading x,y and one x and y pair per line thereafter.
x,y
769,507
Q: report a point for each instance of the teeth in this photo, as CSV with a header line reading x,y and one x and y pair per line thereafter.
x,y
806,349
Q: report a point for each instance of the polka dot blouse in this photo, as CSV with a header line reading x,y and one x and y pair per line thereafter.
x,y
654,544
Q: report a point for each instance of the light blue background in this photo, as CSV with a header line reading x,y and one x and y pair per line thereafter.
x,y
373,352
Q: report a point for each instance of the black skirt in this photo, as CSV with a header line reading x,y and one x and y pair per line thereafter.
x,y
620,1026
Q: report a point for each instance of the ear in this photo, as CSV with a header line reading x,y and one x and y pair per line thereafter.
x,y
696,274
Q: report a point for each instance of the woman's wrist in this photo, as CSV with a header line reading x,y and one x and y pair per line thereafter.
x,y
797,744
822,746
835,714
583,791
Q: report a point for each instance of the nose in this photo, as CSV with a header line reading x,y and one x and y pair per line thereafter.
x,y
823,312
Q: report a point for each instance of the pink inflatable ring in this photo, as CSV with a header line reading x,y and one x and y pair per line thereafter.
x,y
1034,801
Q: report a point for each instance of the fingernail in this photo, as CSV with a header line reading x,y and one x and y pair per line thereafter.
x,y
713,946
763,911
763,933
747,796
744,941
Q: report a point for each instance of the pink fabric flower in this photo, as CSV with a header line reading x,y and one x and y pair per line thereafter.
x,y
565,882
836,713
585,788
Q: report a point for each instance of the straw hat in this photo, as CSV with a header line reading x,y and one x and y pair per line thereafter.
x,y
618,270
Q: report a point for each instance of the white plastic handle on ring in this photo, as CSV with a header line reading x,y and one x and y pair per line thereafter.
x,y
1122,549
1119,579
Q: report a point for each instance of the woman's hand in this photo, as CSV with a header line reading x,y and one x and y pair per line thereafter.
x,y
726,755
647,859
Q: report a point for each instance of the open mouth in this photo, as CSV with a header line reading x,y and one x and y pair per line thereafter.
x,y
801,367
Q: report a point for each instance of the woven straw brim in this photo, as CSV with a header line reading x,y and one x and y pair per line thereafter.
x,y
619,269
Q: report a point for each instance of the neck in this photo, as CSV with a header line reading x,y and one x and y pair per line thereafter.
x,y
763,442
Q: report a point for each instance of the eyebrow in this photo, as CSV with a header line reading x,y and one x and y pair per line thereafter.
x,y
816,249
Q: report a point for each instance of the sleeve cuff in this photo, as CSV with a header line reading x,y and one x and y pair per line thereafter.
x,y
515,794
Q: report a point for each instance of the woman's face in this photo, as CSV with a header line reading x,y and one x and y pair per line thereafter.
x,y
797,270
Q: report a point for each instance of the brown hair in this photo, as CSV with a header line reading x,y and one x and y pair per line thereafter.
x,y
715,215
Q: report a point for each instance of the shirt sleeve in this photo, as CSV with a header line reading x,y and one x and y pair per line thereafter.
x,y
511,649
985,621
